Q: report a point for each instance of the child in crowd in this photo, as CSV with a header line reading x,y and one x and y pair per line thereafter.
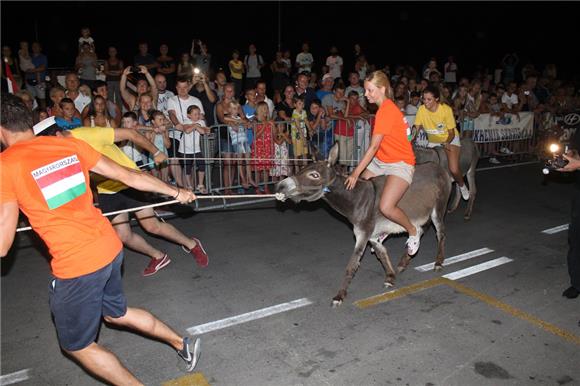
x,y
129,148
98,115
85,90
68,121
160,138
86,38
414,103
56,95
401,103
262,150
281,154
239,142
299,132
249,110
190,148
321,136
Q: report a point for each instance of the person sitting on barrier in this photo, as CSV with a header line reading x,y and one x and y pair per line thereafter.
x,y
437,120
263,149
114,196
190,148
390,154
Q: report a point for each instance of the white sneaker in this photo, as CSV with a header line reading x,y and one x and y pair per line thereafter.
x,y
413,242
505,150
493,160
464,192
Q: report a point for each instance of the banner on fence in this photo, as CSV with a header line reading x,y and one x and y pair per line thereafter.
x,y
512,127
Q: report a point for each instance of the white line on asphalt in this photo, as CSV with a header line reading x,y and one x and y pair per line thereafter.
x,y
557,229
243,318
477,268
455,259
506,166
16,377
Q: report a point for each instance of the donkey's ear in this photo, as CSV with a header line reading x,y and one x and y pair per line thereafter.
x,y
315,153
333,155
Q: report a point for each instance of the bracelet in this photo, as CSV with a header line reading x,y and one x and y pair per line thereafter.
x,y
157,153
177,195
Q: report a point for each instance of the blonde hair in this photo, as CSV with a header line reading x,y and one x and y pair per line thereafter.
x,y
380,79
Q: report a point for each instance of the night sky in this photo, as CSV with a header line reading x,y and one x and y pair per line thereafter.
x,y
389,32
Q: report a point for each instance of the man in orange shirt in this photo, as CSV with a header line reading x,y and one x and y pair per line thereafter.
x,y
48,179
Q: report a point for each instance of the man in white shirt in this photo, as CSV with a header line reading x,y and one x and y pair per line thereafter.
x,y
163,95
262,97
304,60
72,84
510,99
334,63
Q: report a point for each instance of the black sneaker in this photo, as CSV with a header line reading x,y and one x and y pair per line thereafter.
x,y
571,293
190,353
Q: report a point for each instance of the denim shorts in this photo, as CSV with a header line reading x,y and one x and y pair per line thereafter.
x,y
78,304
226,146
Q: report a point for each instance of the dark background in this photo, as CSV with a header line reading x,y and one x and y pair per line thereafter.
x,y
389,32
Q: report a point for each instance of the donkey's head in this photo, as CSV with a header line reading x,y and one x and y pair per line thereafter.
x,y
312,182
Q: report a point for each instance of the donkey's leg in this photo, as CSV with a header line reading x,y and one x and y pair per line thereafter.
x,y
438,219
456,198
362,238
383,256
404,262
472,192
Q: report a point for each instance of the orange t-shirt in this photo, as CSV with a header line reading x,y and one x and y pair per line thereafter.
x,y
48,178
395,147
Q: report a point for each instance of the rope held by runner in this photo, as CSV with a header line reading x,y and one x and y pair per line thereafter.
x,y
138,208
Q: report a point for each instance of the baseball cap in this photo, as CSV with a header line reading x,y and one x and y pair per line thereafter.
x,y
327,76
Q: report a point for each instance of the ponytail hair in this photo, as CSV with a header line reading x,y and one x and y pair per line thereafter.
x,y
380,79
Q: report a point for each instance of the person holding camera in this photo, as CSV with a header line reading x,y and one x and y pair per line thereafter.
x,y
573,257
142,86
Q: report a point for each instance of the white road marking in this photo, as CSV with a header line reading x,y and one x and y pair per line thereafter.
x,y
455,259
16,377
557,229
477,268
243,318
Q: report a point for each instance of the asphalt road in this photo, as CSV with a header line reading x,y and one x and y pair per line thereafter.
x,y
504,325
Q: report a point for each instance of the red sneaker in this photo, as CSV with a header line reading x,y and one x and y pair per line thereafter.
x,y
156,264
199,254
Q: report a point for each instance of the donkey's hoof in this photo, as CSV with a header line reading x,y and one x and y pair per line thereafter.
x,y
372,250
336,303
438,267
467,217
388,284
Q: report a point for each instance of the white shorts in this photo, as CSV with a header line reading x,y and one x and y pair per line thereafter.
x,y
456,141
400,169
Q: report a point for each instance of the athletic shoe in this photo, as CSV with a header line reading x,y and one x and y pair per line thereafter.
x,y
156,264
199,254
190,353
464,192
413,242
493,160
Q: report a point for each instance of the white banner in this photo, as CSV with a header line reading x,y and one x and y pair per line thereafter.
x,y
512,127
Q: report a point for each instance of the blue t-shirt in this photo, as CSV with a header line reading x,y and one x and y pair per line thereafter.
x,y
250,113
320,94
66,125
38,61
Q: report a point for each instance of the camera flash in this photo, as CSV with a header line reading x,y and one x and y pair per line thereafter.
x,y
554,148
196,71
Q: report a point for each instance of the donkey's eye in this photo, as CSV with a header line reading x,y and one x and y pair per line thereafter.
x,y
314,175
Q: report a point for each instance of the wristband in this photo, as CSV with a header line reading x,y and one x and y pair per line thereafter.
x,y
157,153
177,195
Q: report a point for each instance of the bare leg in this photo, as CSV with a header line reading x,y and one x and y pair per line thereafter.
x,y
104,364
453,158
395,188
131,239
175,169
151,224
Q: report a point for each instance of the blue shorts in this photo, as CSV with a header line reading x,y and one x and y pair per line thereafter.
x,y
78,304
226,146
241,148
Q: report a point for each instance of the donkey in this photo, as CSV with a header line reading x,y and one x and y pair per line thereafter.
x,y
426,199
468,158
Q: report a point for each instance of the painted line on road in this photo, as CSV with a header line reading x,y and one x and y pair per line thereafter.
x,y
398,293
455,259
195,379
249,316
559,228
567,335
506,166
16,377
477,268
